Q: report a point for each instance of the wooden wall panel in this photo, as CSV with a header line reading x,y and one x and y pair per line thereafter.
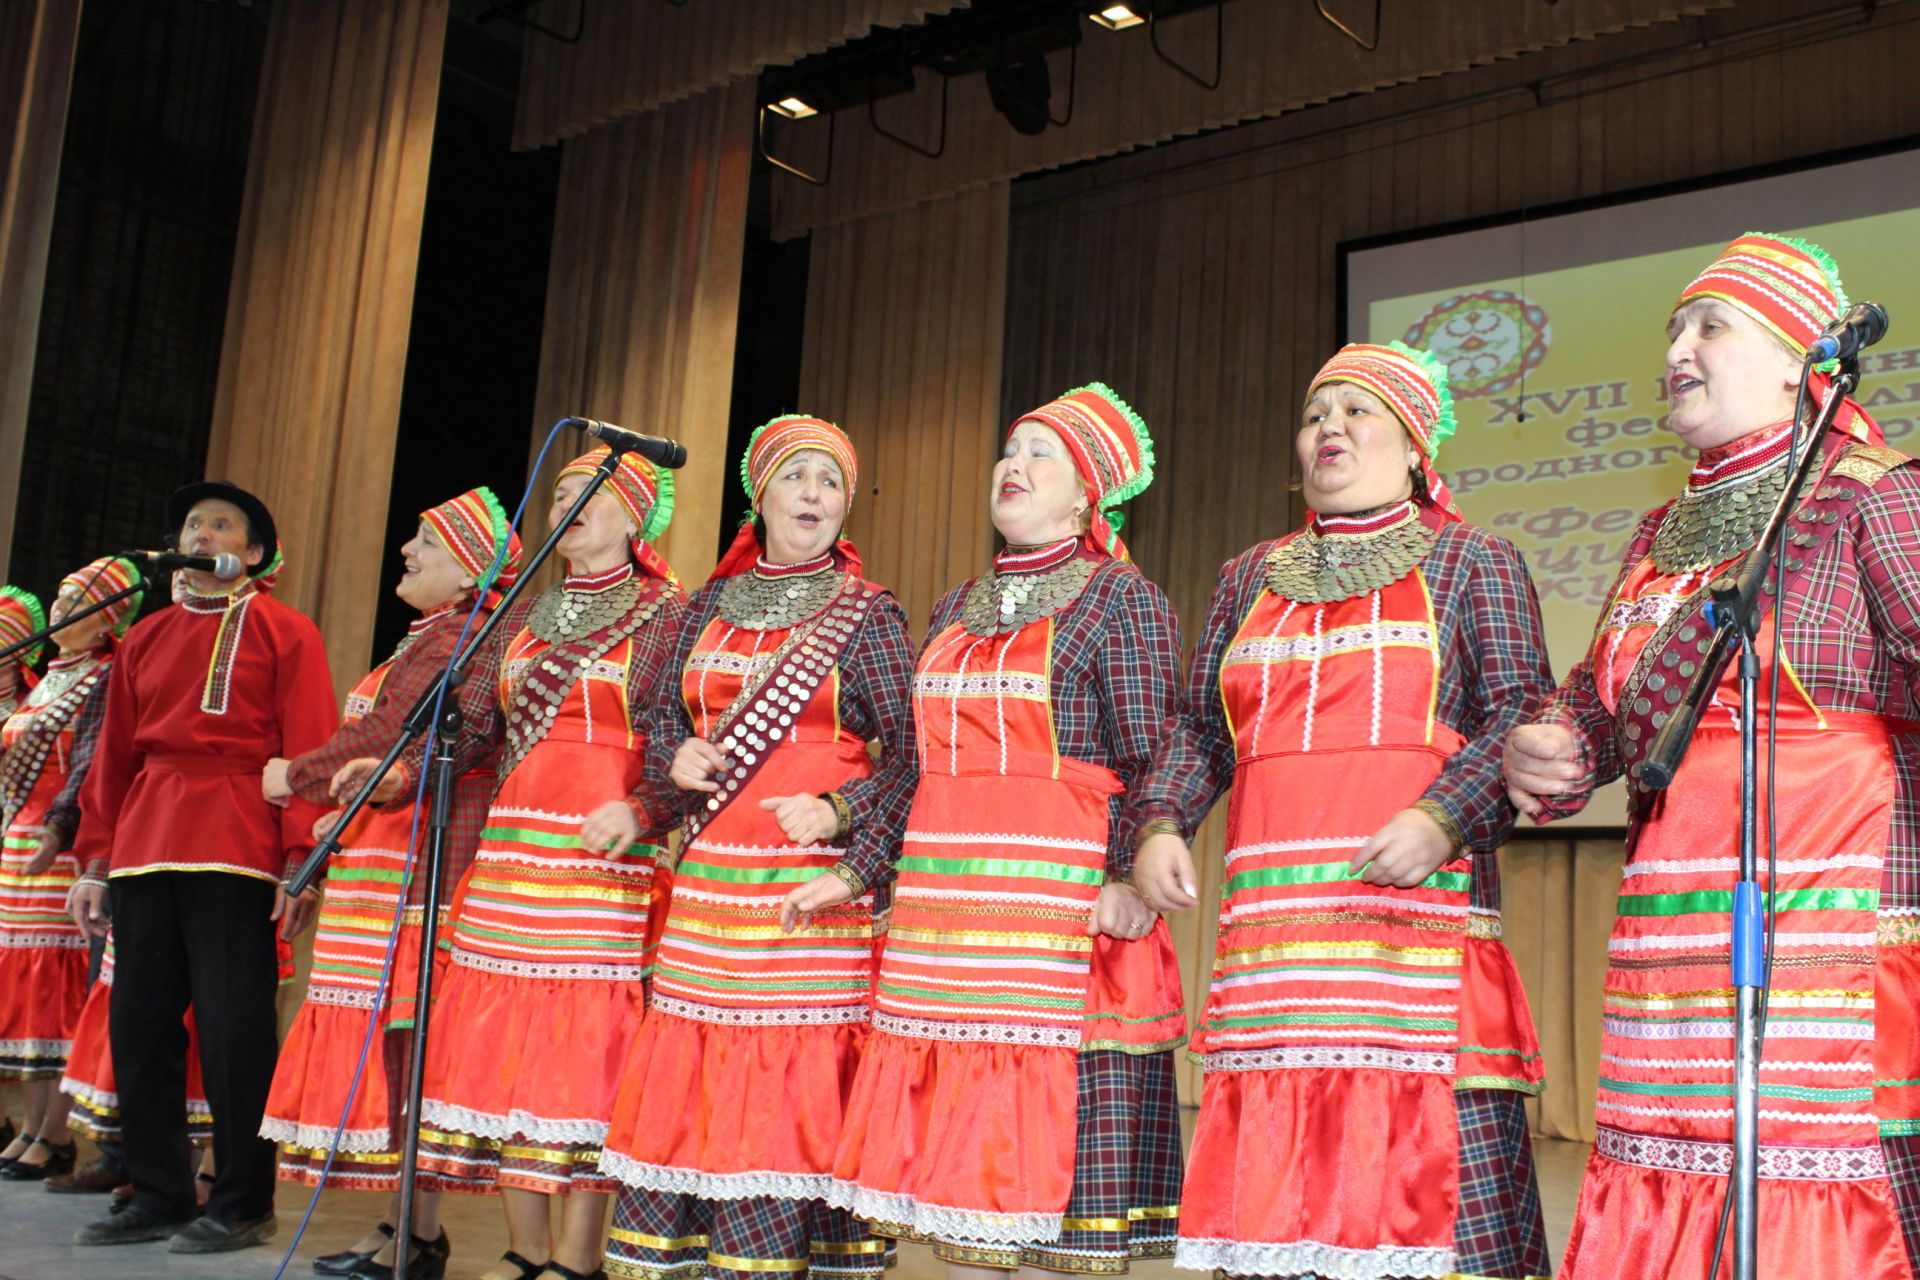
x,y
903,351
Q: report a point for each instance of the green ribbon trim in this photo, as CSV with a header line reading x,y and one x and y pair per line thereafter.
x,y
1792,1092
370,875
761,983
566,944
1720,901
975,997
1534,1087
748,875
1501,1053
1331,873
1448,975
544,839
1008,868
1335,1020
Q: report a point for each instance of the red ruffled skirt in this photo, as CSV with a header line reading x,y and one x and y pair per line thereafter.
x,y
42,990
922,1136
529,1064
1638,1221
755,1110
1334,1172
89,1080
316,1073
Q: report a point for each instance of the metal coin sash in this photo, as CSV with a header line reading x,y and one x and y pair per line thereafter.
x,y
534,700
766,709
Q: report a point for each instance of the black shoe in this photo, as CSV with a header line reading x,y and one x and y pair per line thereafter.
x,y
426,1260
61,1161
568,1273
528,1270
132,1225
348,1261
210,1235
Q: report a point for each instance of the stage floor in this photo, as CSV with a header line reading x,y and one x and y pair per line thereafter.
x,y
38,1228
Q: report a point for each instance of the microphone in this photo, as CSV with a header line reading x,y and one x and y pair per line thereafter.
x,y
668,453
226,566
1864,324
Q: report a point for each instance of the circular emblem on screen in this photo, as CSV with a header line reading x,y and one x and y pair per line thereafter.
x,y
1488,339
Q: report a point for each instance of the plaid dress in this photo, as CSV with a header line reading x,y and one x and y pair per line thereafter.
x,y
1353,957
1850,636
1104,682
753,1034
365,881
545,977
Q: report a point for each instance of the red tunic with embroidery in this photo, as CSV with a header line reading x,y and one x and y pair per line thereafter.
x,y
202,695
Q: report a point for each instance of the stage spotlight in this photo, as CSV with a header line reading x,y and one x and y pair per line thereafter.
x,y
1116,17
792,108
1021,90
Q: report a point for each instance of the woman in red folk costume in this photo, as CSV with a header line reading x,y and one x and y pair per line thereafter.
x,y
1016,1103
790,663
1367,1046
43,954
1839,1190
543,990
450,558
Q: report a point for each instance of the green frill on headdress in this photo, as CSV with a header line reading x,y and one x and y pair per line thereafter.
x,y
1436,370
36,620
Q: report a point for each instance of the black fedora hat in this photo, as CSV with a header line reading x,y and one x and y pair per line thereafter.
x,y
181,501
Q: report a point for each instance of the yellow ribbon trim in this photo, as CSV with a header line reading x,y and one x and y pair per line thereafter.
x,y
663,1243
755,1264
1436,957
850,1247
1043,941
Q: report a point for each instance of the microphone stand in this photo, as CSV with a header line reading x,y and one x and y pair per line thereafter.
x,y
46,632
1734,616
444,692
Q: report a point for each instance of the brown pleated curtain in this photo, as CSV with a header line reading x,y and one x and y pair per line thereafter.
x,y
1558,899
322,294
1273,58
902,349
634,55
37,42
643,298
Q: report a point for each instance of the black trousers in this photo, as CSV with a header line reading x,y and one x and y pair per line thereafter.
x,y
201,938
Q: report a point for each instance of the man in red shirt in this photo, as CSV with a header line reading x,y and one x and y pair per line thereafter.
x,y
177,840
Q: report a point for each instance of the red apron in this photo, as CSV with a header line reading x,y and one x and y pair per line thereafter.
x,y
754,1034
962,1123
1343,1015
1838,1060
